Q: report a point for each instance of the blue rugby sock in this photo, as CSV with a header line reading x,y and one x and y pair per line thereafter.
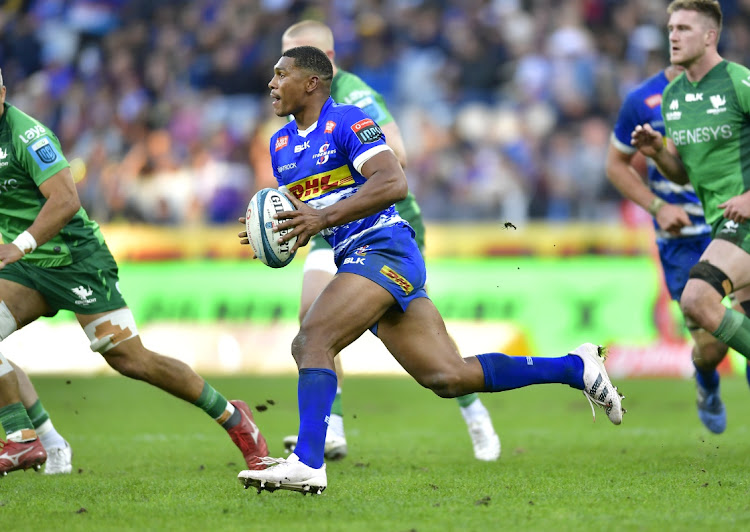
x,y
707,379
503,372
316,390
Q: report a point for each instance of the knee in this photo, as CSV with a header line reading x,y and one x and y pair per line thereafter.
x,y
695,303
300,347
127,363
709,354
442,383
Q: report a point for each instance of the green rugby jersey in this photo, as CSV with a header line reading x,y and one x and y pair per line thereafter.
x,y
350,89
709,123
29,155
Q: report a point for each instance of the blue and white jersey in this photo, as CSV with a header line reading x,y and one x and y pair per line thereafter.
x,y
321,165
642,105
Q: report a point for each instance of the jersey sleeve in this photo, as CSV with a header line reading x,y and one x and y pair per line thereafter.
x,y
374,106
276,143
360,137
41,155
627,119
740,76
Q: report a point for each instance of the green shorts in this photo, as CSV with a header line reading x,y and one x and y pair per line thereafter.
x,y
408,209
89,286
737,234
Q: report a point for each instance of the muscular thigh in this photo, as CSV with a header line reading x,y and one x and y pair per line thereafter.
x,y
346,308
89,286
418,340
733,260
23,302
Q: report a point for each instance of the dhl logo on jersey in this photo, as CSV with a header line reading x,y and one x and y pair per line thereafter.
x,y
397,278
316,185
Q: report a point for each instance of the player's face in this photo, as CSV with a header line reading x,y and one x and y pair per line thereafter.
x,y
287,87
689,35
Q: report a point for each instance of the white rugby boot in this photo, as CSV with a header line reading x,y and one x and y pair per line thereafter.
x,y
286,474
484,439
59,460
598,389
335,447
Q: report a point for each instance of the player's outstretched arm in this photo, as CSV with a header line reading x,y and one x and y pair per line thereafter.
x,y
386,184
395,141
662,150
626,179
61,205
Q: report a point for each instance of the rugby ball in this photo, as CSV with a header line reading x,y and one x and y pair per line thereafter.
x,y
259,222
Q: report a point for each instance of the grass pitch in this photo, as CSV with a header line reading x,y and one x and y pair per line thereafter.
x,y
146,461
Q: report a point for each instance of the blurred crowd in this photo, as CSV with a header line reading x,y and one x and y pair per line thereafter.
x,y
506,106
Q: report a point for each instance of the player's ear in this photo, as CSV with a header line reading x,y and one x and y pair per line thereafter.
x,y
312,83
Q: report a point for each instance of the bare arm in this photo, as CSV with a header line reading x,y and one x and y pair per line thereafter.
x,y
386,184
662,151
625,178
61,205
394,139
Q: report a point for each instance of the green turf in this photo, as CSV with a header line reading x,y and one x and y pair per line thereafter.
x,y
146,461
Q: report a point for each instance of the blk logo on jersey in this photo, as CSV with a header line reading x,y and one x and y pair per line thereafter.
x,y
299,147
367,131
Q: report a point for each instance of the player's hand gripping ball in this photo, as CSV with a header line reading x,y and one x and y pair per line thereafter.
x,y
260,223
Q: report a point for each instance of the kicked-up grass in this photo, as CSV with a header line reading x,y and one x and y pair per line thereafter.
x,y
146,461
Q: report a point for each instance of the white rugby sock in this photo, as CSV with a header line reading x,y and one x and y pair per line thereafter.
x,y
336,426
48,435
474,411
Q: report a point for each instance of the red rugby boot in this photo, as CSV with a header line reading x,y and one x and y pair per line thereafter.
x,y
246,435
21,455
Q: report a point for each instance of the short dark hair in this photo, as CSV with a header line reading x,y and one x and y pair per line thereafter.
x,y
313,59
708,8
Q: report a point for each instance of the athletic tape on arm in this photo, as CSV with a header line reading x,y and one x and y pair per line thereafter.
x,y
111,329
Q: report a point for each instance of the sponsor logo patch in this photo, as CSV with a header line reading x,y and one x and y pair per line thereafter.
x,y
397,278
367,131
653,101
44,153
281,142
330,126
316,185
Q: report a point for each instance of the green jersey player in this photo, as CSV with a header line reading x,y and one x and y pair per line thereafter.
x,y
55,258
319,266
706,114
